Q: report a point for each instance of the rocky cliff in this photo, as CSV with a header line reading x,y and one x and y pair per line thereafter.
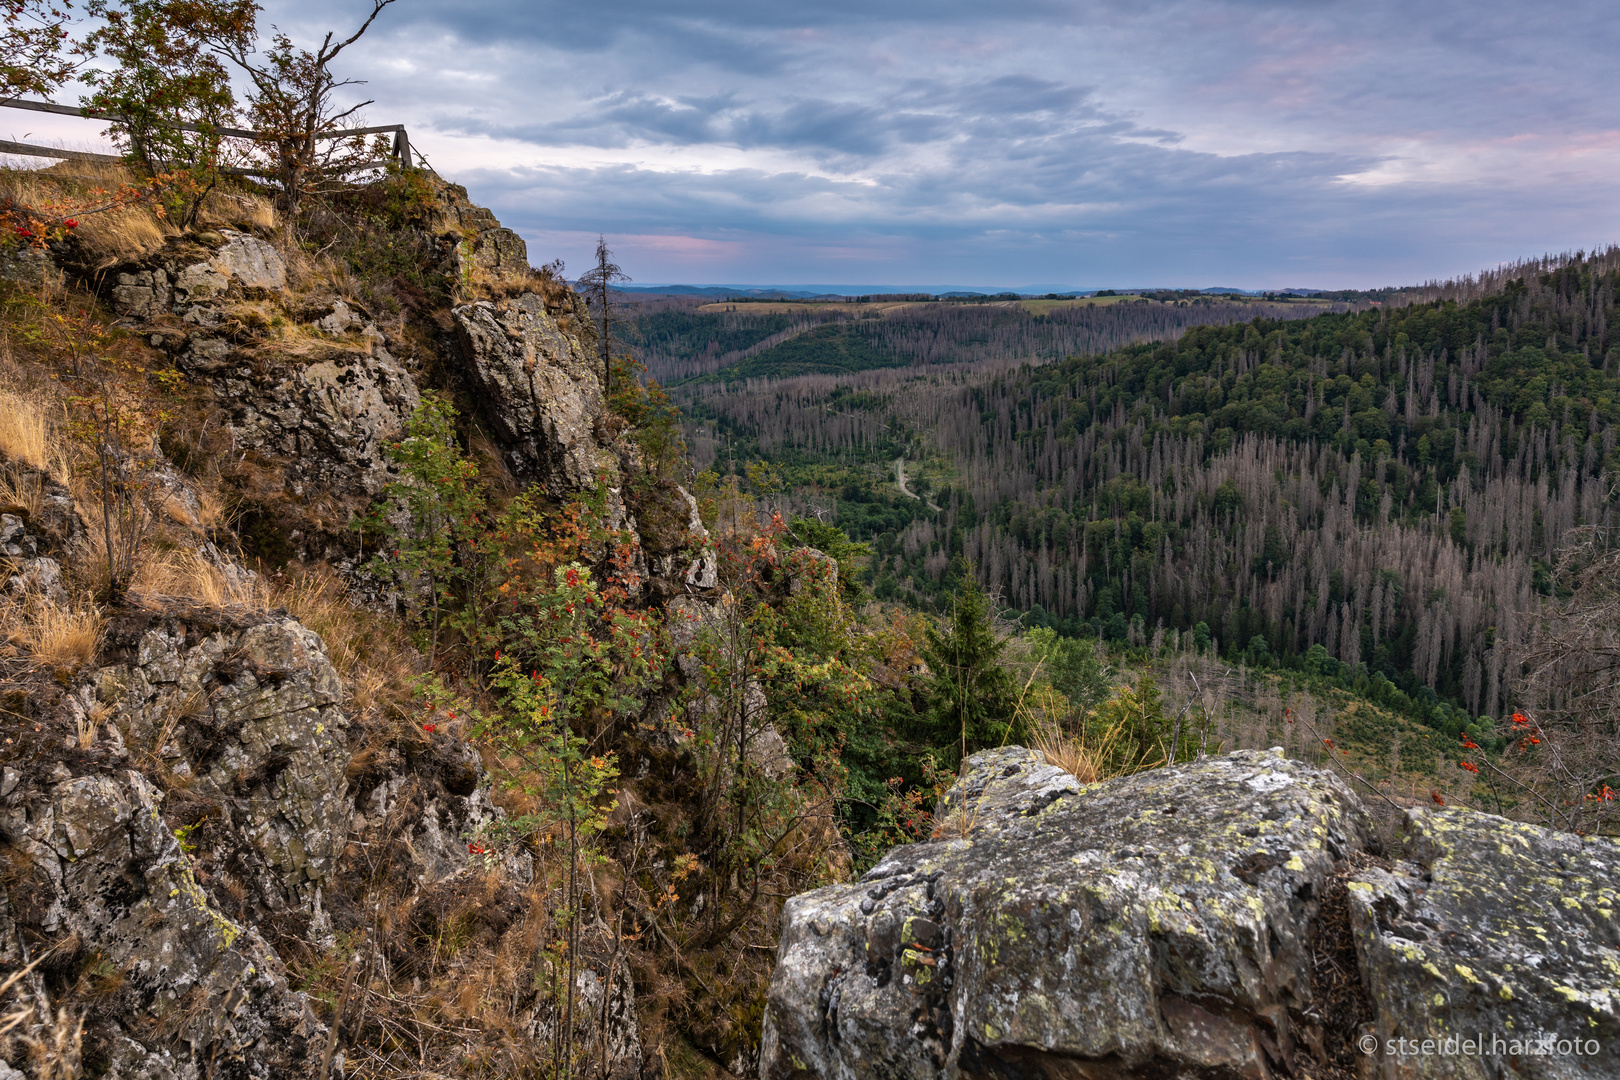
x,y
223,855
1222,919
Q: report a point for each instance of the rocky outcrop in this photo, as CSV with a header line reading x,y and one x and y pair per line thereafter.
x,y
1156,925
195,270
325,404
477,236
250,720
210,809
540,389
186,990
1172,924
329,416
1497,933
34,538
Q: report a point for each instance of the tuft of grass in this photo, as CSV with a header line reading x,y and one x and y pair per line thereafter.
x,y
28,436
1086,755
23,492
193,576
368,650
57,635
317,600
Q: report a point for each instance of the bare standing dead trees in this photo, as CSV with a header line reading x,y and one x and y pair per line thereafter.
x,y
1565,754
598,283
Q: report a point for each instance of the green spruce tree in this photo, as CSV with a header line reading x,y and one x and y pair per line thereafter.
x,y
971,701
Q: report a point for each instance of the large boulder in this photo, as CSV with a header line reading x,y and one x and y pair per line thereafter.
x,y
541,390
1492,949
1158,925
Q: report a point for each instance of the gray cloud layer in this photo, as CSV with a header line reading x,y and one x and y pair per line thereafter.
x,y
1200,142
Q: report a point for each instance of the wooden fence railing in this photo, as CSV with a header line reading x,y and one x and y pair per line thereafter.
x,y
400,151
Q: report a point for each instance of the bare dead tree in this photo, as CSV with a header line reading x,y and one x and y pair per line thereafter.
x,y
598,283
292,104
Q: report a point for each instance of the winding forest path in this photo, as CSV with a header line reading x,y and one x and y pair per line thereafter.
x,y
900,481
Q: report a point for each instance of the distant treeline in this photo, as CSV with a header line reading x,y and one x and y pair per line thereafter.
x,y
679,343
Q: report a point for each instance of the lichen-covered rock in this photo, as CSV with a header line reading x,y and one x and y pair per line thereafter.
x,y
196,270
540,389
1494,931
191,991
34,539
27,266
251,717
1153,925
329,416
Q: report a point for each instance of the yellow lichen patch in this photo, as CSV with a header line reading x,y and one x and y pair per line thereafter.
x,y
1468,974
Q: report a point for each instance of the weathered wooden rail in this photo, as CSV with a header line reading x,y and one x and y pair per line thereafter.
x,y
400,151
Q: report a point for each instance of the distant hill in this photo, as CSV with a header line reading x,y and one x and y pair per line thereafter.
x,y
681,342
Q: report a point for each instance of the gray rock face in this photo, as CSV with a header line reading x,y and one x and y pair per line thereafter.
x,y
104,869
254,718
327,409
27,267
1155,925
330,417
479,236
177,278
1494,931
540,389
1164,925
502,250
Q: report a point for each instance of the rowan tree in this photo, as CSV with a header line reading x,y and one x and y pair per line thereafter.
x,y
37,54
170,96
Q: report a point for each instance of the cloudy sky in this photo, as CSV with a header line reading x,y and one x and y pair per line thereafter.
x,y
1017,143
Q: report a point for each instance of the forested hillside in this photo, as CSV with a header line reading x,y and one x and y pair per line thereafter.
x,y
683,339
1386,488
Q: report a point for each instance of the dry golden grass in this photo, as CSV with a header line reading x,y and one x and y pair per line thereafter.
x,y
1068,754
317,600
371,652
206,509
91,724
21,492
191,575
1089,758
53,634
28,435
127,232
